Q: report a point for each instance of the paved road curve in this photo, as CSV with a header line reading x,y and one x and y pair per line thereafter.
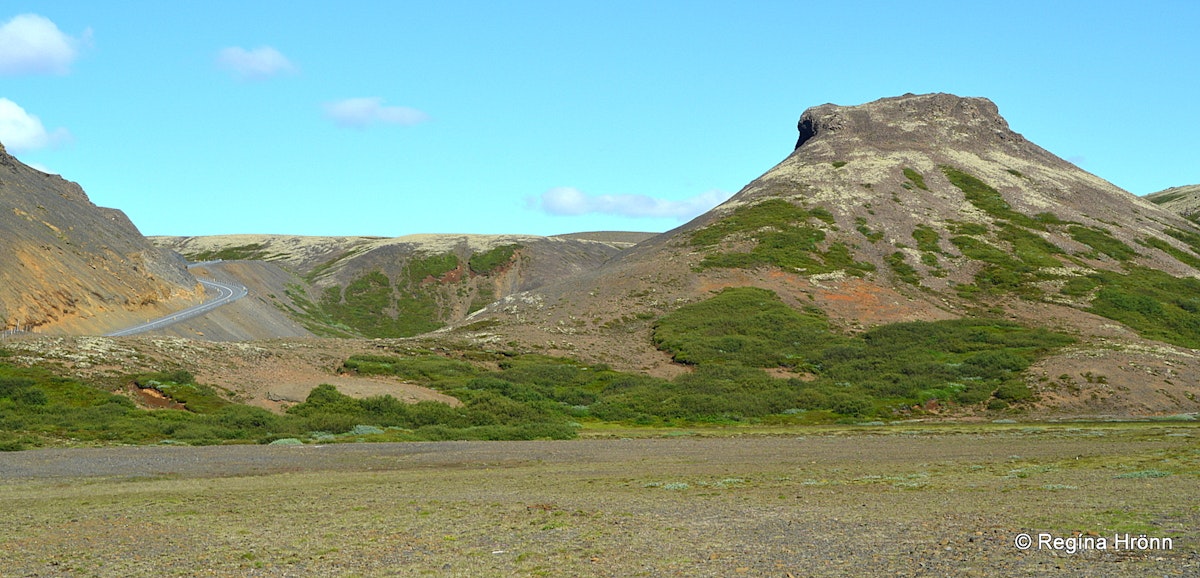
x,y
226,293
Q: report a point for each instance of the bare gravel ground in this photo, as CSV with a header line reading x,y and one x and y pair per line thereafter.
x,y
885,501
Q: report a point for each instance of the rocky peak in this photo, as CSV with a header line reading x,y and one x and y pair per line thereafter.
x,y
912,117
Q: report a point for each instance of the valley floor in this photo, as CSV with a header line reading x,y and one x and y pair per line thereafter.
x,y
879,501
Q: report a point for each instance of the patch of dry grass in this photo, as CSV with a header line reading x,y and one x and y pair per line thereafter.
x,y
810,502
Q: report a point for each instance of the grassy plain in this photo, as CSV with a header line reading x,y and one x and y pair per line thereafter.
x,y
898,500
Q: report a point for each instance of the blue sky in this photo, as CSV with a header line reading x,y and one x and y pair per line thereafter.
x,y
392,118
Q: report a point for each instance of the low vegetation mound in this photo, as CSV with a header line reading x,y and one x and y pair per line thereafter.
x,y
964,360
419,298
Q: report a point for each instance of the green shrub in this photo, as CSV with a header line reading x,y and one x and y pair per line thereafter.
x,y
743,325
860,224
1029,248
417,270
915,178
1153,303
1079,286
372,306
1180,255
963,360
180,386
491,260
1102,241
902,269
927,239
422,368
1191,239
969,228
1014,391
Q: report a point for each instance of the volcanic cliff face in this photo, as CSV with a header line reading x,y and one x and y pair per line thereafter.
x,y
70,266
918,207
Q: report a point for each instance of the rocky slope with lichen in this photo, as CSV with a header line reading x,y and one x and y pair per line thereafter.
x,y
70,266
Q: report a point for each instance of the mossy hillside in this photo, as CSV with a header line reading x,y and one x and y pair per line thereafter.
x,y
373,306
1153,303
1015,252
1191,239
1018,253
419,298
966,360
252,251
420,270
748,324
783,235
1162,199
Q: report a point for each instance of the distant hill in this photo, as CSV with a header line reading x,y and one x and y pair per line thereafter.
x,y
396,287
622,239
1184,201
70,266
913,208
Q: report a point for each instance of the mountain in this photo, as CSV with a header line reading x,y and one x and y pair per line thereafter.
x,y
1184,201
390,287
70,266
913,208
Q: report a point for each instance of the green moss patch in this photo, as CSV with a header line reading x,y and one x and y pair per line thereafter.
x,y
783,238
915,178
902,269
1102,242
489,261
1155,304
249,252
987,199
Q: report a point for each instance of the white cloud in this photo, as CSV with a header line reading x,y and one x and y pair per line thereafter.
x,y
362,112
572,201
32,44
258,64
21,131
